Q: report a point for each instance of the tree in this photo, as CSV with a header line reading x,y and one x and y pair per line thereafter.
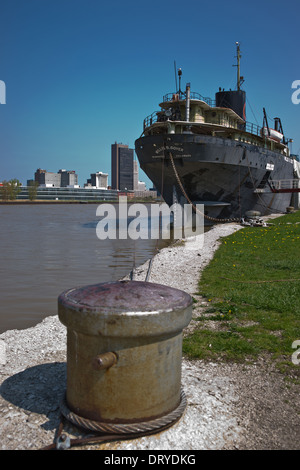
x,y
5,190
10,189
32,190
15,188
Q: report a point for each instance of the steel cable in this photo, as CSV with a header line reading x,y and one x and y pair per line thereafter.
x,y
113,432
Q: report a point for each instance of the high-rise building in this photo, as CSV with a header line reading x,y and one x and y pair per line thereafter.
x,y
135,175
121,167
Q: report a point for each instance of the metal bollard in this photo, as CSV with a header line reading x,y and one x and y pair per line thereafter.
x,y
124,350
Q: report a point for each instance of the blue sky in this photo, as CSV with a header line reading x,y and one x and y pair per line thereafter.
x,y
82,74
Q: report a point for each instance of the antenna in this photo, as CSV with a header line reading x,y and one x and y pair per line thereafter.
x,y
175,76
240,79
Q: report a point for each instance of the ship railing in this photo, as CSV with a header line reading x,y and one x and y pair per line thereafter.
x,y
161,116
151,119
193,96
252,128
279,185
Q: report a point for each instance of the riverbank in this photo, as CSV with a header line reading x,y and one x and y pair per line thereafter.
x,y
230,405
54,201
50,201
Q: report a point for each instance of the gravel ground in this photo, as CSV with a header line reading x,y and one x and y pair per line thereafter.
x,y
230,406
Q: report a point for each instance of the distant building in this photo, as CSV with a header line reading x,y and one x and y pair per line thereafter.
x,y
47,179
97,180
135,175
141,186
70,194
122,167
61,179
146,194
115,156
68,178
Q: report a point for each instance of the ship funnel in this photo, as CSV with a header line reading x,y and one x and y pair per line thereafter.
x,y
235,100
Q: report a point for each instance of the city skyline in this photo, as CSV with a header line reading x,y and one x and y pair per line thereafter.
x,y
79,75
63,178
124,173
136,169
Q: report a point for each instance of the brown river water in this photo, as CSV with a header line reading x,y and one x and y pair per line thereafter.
x,y
48,248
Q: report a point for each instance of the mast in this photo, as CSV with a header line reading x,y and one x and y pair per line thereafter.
x,y
240,79
238,65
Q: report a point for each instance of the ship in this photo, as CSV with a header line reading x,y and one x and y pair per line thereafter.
x,y
197,150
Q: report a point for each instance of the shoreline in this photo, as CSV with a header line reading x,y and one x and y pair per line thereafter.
x,y
222,398
179,265
53,201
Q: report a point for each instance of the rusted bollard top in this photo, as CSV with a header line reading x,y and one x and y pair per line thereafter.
x,y
125,308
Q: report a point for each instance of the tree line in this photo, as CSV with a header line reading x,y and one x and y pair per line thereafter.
x,y
10,189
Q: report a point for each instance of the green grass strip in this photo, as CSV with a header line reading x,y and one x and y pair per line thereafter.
x,y
252,286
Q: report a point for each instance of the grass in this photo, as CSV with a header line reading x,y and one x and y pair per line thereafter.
x,y
252,287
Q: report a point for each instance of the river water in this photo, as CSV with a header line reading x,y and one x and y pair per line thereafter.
x,y
48,248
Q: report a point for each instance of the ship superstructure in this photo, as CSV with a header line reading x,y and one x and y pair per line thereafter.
x,y
204,151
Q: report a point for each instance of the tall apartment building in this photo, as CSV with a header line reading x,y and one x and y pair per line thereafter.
x,y
121,167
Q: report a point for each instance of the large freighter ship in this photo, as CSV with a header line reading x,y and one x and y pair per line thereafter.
x,y
199,151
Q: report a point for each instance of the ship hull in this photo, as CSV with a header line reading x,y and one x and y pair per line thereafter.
x,y
222,174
